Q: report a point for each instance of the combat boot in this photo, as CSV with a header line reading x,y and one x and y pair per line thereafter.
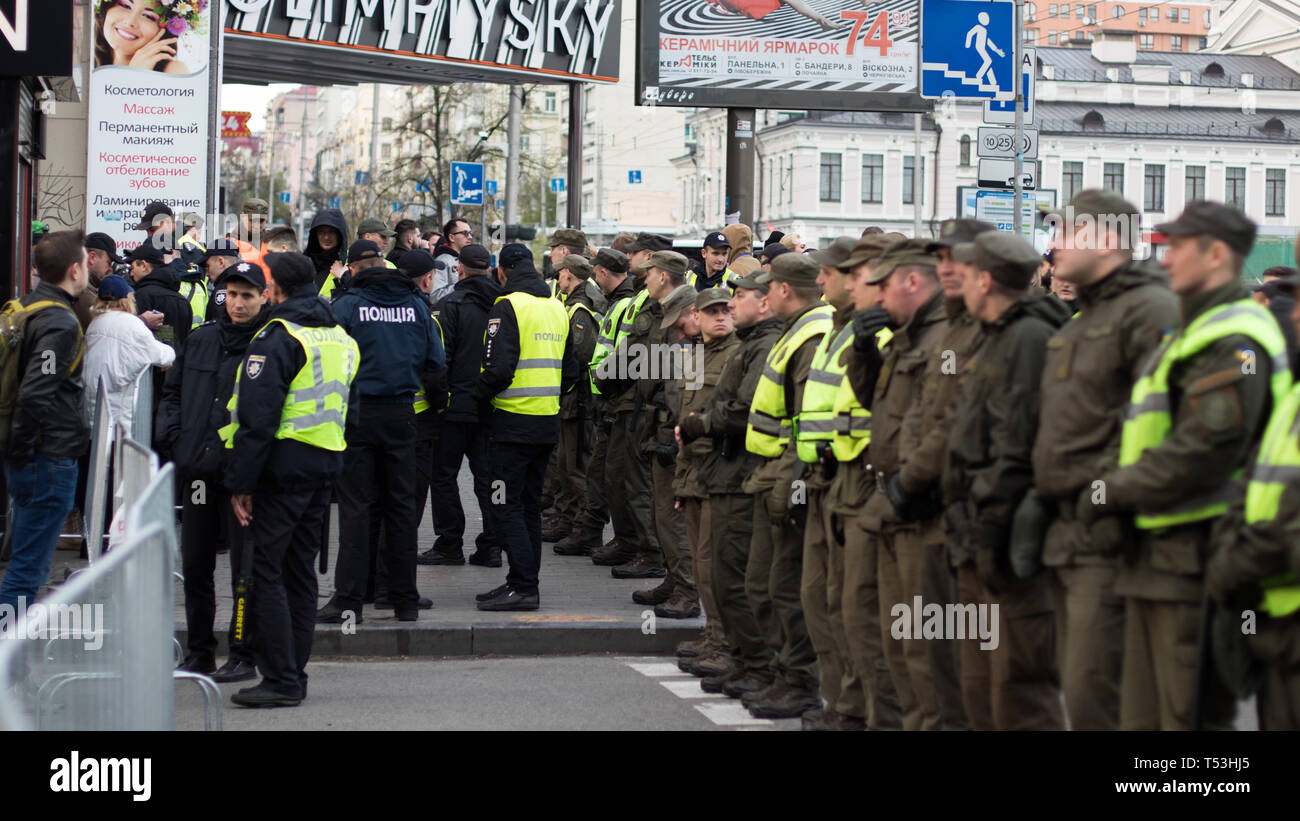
x,y
772,689
678,606
611,555
829,720
748,683
714,684
639,567
693,648
580,542
655,595
790,702
713,664
554,529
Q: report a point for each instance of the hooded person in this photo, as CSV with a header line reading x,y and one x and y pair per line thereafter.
x,y
742,241
323,251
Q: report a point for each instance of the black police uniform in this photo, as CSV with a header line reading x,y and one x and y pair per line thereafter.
x,y
400,348
192,409
290,482
463,315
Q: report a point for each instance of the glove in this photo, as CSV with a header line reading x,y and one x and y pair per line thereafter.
x,y
666,455
1028,529
866,324
692,427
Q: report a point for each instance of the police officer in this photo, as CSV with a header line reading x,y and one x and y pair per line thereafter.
x,y
223,254
1125,308
823,542
291,402
708,324
462,315
577,409
194,281
1195,415
401,351
528,362
773,576
192,411
610,272
989,447
716,252
722,423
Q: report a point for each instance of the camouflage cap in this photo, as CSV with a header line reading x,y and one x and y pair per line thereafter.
x,y
836,253
796,269
571,237
256,206
682,297
670,261
577,265
375,226
1009,259
956,231
712,296
865,250
901,252
645,241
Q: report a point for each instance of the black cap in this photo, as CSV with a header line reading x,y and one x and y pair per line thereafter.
x,y
221,248
148,252
152,211
99,241
772,251
363,249
417,263
612,260
475,256
1212,219
645,241
247,271
774,238
516,257
291,271
717,240
956,231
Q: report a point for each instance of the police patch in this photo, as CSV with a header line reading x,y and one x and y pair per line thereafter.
x,y
642,323
220,298
494,325
255,365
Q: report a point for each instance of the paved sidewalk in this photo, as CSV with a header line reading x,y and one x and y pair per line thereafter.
x,y
584,609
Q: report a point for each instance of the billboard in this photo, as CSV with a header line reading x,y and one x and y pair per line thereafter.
x,y
802,54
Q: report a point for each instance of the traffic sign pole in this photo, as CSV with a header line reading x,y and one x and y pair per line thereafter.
x,y
1016,74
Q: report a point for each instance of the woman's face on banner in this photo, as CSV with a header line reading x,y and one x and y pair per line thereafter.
x,y
129,24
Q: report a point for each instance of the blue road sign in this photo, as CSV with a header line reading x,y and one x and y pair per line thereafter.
x,y
634,178
397,206
467,183
967,49
557,185
501,204
363,178
284,196
491,188
424,185
335,202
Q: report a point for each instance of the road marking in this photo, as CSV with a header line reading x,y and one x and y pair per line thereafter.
x,y
730,714
656,670
690,688
716,707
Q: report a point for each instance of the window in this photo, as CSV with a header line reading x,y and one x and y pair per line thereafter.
x,y
830,182
525,143
1205,18
1194,189
1092,12
1065,10
1205,43
1172,15
1275,192
1078,11
1113,177
1153,188
1031,35
965,149
1234,188
1142,17
873,177
1175,42
908,163
388,123
1051,10
1071,179
1184,15
386,151
1030,11
1117,12
549,102
1051,38
1146,41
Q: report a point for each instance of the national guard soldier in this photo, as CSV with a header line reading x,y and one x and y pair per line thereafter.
x,y
912,563
772,579
293,396
577,412
565,242
1194,418
854,483
710,318
1125,308
731,510
401,351
528,362
989,454
1257,563
823,545
609,270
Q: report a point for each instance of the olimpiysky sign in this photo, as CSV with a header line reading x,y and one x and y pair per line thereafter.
x,y
512,39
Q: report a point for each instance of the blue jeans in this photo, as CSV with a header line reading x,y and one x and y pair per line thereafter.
x,y
42,494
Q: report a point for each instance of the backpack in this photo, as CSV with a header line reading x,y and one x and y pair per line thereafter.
x,y
13,329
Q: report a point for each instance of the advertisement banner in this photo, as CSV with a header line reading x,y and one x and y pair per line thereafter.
x,y
801,54
148,118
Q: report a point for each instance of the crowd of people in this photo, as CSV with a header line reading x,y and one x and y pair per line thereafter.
x,y
911,483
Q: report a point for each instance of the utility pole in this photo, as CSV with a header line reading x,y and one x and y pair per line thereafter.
x,y
573,212
740,165
1016,75
513,127
302,164
270,171
374,143
916,176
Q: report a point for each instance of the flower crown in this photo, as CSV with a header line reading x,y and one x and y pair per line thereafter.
x,y
177,16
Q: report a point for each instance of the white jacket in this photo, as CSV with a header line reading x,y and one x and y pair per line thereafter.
x,y
120,348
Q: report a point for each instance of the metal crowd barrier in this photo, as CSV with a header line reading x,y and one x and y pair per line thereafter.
x,y
98,652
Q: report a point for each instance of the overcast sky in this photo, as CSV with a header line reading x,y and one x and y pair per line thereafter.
x,y
252,98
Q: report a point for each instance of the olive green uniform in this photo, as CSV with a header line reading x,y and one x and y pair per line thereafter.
x,y
577,423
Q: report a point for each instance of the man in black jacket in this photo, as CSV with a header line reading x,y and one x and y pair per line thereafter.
x,y
49,430
193,409
463,317
528,363
282,463
156,289
325,243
